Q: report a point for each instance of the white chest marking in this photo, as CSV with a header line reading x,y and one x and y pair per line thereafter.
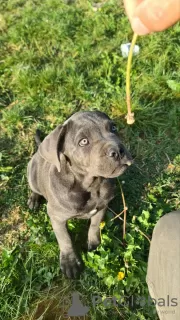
x,y
93,211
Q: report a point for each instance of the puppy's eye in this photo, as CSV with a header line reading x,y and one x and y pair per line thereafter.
x,y
113,128
83,142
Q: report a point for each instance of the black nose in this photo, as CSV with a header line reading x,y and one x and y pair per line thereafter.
x,y
113,153
122,152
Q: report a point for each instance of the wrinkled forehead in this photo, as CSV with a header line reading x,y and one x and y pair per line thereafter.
x,y
92,124
88,119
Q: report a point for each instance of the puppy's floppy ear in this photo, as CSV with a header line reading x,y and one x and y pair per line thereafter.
x,y
52,145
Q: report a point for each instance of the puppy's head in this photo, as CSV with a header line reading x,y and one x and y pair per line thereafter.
x,y
90,143
93,146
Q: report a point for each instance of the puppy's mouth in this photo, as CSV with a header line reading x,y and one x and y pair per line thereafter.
x,y
112,167
119,170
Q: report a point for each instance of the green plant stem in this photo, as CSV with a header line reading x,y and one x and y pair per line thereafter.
x,y
130,115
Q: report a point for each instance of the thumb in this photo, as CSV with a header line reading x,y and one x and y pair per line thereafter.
x,y
151,15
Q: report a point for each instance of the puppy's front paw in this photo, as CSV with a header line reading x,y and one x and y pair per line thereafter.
x,y
94,238
70,265
93,246
34,201
93,243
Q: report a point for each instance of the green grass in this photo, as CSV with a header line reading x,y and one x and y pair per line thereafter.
x,y
56,59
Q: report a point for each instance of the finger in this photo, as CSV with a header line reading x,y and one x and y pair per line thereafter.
x,y
130,7
155,15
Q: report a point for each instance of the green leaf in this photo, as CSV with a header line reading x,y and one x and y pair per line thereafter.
x,y
173,85
5,169
109,281
152,197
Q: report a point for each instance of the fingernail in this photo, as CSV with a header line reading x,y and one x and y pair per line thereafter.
x,y
139,27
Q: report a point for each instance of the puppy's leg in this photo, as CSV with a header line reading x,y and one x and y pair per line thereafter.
x,y
69,262
94,230
34,200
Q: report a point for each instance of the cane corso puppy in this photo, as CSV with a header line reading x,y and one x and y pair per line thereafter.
x,y
73,170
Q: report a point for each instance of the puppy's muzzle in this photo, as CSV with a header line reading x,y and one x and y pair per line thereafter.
x,y
118,154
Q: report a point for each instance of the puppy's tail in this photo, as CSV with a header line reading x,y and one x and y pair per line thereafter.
x,y
37,137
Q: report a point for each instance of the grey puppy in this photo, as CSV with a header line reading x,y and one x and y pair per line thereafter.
x,y
73,170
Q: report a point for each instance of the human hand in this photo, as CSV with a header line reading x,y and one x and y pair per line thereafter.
x,y
147,16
